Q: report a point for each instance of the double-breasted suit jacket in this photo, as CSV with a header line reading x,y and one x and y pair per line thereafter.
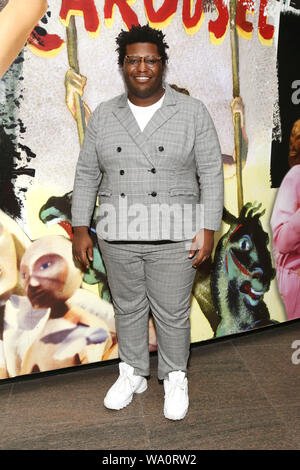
x,y
152,185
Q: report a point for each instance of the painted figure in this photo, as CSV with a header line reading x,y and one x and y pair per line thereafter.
x,y
285,222
20,322
71,335
241,274
16,24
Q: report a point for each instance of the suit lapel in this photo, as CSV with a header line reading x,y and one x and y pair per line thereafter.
x,y
163,114
124,115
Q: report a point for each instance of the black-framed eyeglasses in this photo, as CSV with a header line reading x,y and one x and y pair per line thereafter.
x,y
135,60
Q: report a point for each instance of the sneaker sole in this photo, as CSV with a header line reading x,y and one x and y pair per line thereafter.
x,y
143,387
175,418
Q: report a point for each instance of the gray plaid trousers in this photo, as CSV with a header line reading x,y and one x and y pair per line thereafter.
x,y
157,277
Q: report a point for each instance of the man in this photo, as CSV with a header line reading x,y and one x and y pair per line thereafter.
x,y
144,152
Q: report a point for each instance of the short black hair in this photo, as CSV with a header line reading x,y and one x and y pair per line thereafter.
x,y
141,34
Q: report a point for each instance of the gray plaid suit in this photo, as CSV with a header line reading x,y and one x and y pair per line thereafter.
x,y
171,162
175,162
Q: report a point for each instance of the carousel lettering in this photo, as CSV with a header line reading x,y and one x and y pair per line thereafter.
x,y
192,19
85,8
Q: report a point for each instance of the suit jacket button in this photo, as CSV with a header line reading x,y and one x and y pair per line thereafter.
x,y
153,170
122,195
160,148
122,172
153,194
119,149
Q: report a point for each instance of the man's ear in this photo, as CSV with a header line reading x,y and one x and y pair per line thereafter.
x,y
121,70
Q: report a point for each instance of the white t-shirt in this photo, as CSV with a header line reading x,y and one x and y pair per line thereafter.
x,y
143,114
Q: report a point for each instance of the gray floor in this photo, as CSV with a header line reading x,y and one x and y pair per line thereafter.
x,y
244,394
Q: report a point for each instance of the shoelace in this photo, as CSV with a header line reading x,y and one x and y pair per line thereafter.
x,y
124,381
173,387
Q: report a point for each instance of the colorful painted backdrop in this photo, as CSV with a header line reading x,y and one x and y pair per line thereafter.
x,y
224,53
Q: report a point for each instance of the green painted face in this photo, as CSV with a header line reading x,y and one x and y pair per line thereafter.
x,y
243,269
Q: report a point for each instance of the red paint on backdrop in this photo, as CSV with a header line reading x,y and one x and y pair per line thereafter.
x,y
163,16
128,15
85,8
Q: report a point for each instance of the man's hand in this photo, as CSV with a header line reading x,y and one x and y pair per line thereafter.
x,y
203,242
82,246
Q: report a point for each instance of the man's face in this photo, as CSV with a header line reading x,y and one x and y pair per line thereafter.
x,y
144,83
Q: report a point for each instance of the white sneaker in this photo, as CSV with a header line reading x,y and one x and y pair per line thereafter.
x,y
176,395
121,392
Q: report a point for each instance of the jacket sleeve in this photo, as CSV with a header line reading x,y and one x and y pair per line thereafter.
x,y
210,170
285,220
87,176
